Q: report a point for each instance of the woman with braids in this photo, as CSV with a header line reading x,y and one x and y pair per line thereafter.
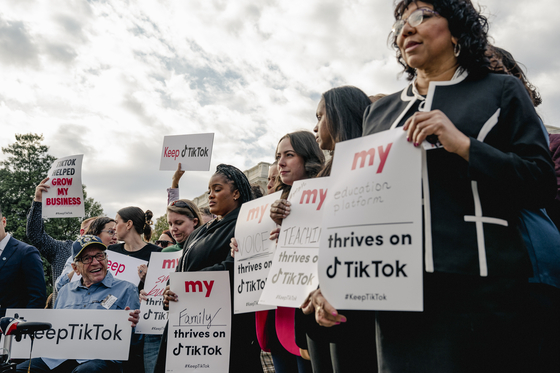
x,y
207,249
489,160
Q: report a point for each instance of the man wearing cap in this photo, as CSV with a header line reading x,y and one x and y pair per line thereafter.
x,y
97,289
22,280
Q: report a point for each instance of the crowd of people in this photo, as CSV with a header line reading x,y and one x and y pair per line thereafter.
x,y
491,250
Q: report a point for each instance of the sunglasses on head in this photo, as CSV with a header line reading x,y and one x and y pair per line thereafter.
x,y
163,243
182,205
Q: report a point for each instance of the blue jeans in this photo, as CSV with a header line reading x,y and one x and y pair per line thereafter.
x,y
151,348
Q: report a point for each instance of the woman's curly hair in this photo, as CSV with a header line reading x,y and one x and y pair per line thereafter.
x,y
466,24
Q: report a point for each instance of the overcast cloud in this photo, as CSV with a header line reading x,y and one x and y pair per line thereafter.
x,y
108,79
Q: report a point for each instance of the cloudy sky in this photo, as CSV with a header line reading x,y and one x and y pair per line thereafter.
x,y
108,79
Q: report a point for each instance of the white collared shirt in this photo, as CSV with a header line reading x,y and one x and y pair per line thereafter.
x,y
4,242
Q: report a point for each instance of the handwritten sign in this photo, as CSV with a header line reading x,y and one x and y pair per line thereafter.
x,y
371,244
199,332
194,152
256,251
75,334
293,274
65,198
152,316
124,267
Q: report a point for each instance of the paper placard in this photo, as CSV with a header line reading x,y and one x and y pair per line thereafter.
x,y
256,251
75,334
371,246
152,316
199,331
65,198
194,152
293,274
124,267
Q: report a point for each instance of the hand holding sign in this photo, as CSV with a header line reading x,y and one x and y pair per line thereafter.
x,y
66,178
280,210
40,189
325,314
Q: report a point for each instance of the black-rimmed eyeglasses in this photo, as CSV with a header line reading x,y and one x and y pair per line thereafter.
x,y
88,259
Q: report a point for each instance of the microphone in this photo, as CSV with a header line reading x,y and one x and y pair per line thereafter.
x,y
8,325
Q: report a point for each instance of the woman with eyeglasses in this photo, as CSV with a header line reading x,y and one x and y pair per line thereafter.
x,y
165,240
183,218
104,228
490,160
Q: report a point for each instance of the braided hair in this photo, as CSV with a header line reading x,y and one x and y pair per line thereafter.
x,y
239,181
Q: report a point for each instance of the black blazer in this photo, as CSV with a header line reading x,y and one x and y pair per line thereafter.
x,y
471,215
22,280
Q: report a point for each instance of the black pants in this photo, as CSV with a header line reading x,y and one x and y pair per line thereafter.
x,y
345,348
71,366
469,324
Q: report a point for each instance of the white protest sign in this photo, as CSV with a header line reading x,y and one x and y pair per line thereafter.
x,y
371,245
293,274
124,267
152,316
65,198
199,331
192,151
75,334
256,250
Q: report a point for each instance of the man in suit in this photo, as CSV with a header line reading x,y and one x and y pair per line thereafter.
x,y
22,280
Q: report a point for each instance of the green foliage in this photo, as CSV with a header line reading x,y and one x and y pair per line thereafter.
x,y
27,163
161,225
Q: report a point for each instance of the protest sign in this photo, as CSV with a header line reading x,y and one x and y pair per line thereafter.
x,y
256,250
75,334
293,274
152,315
124,267
65,198
199,331
371,246
192,151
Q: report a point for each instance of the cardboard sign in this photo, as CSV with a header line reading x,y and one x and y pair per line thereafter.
x,y
256,250
75,334
152,316
194,152
124,267
371,245
293,274
199,332
65,198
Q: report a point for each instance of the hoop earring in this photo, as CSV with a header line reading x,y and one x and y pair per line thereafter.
x,y
457,49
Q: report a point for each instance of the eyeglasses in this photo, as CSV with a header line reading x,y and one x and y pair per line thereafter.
x,y
163,243
182,205
112,232
88,259
414,19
